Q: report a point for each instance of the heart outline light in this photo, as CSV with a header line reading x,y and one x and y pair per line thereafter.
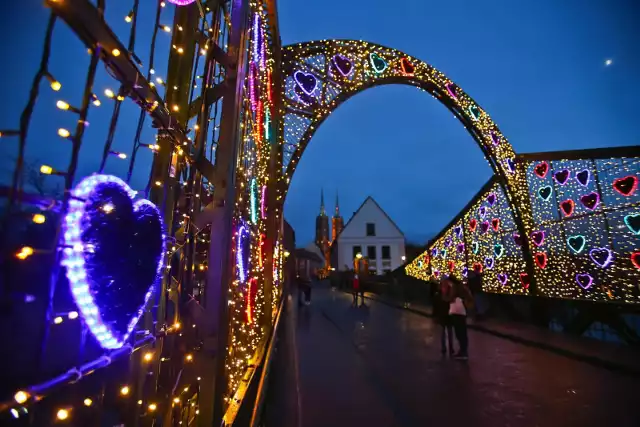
x,y
73,258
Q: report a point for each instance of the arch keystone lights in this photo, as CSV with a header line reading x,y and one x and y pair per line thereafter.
x,y
318,76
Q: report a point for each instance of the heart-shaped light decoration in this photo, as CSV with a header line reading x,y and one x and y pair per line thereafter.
x,y
377,63
576,243
635,259
495,224
434,252
541,169
525,280
474,111
460,247
407,67
242,252
502,278
488,261
517,239
443,252
477,267
541,259
494,138
562,177
451,89
482,211
473,224
475,246
452,266
342,64
465,271
632,222
591,200
538,238
583,177
626,186
601,256
491,199
544,192
584,280
510,164
458,231
306,81
484,227
447,242
567,207
113,256
498,250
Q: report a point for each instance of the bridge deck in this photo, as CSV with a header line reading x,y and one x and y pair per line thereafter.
x,y
339,365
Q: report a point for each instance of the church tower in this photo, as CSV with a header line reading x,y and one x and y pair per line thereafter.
x,y
322,229
337,223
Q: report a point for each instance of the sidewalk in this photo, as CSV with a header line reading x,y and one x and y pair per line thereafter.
x,y
614,357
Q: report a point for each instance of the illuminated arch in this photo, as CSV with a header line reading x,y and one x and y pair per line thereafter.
x,y
318,76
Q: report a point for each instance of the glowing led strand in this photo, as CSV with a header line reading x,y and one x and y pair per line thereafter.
x,y
74,254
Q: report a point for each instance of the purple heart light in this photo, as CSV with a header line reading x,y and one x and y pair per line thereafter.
x,y
306,81
583,177
491,199
584,280
482,211
562,176
342,64
601,256
488,262
458,231
502,278
111,279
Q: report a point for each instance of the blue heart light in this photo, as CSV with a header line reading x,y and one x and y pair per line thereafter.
x,y
113,256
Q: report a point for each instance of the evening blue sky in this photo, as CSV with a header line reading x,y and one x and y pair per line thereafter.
x,y
536,67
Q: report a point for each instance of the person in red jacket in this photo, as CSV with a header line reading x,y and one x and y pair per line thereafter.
x,y
356,289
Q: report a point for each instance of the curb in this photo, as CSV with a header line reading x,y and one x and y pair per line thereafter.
x,y
592,360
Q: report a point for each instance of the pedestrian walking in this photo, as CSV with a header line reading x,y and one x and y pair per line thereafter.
x,y
461,302
441,298
356,289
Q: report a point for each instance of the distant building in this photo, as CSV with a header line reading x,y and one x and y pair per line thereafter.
x,y
373,234
322,230
310,262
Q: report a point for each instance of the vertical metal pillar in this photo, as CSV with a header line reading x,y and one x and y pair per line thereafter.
x,y
213,384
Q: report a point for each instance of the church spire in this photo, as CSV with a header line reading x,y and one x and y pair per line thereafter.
x,y
322,210
337,206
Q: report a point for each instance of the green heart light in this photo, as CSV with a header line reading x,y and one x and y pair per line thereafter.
x,y
377,63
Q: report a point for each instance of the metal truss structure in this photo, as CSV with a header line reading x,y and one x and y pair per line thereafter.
x,y
585,210
143,265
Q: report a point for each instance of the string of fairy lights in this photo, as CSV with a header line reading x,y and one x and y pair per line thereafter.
x,y
247,298
147,342
318,76
484,239
585,245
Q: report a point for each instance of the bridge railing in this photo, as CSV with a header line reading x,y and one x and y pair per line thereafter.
x,y
123,91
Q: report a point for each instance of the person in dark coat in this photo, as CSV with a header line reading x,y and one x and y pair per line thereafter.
x,y
441,315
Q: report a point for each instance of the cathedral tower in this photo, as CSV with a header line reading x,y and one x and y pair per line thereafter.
x,y
337,223
322,229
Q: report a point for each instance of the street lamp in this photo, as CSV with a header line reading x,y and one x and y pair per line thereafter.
x,y
403,258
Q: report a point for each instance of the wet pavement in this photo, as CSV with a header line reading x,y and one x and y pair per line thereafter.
x,y
375,365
